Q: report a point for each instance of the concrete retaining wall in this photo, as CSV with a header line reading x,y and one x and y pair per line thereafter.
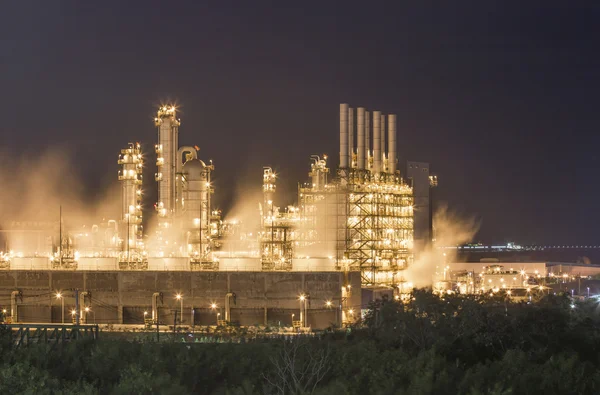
x,y
122,297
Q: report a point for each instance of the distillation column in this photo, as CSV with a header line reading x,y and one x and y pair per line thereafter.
x,y
166,162
196,208
130,175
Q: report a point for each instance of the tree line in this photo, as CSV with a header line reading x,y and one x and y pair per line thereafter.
x,y
426,344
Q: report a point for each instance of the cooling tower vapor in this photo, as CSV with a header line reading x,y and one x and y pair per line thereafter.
x,y
450,230
33,189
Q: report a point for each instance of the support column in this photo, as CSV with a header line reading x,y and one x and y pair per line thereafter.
x,y
120,295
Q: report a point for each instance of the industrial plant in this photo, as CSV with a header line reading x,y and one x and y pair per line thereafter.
x,y
353,235
351,228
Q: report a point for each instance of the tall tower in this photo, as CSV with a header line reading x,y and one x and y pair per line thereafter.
x,y
166,161
130,175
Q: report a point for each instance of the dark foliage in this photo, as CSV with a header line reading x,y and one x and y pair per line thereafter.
x,y
455,344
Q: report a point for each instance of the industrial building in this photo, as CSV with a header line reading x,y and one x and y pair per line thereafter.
x,y
305,265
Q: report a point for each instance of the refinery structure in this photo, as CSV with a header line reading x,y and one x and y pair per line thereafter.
x,y
353,235
356,218
353,226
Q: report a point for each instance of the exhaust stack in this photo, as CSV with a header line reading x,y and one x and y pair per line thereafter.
x,y
382,137
376,142
344,136
360,123
367,140
350,137
392,143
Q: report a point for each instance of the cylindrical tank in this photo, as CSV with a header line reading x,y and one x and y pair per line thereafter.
x,y
196,205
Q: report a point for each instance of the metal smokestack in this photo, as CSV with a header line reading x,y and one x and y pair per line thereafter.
x,y
360,144
382,137
344,136
350,137
367,139
376,142
392,143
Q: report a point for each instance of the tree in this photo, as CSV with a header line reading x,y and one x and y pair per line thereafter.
x,y
298,368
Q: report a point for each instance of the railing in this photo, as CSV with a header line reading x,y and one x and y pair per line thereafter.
x,y
25,334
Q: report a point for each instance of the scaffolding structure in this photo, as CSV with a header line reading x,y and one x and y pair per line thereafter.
x,y
277,234
130,237
365,222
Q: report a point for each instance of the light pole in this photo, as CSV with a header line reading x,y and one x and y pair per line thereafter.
x,y
62,306
179,297
213,307
588,289
302,310
86,311
293,319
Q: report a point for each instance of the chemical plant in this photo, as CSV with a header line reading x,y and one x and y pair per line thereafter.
x,y
357,218
352,234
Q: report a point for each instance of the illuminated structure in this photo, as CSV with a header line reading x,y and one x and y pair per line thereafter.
x,y
277,233
195,214
166,153
130,175
358,219
364,217
183,207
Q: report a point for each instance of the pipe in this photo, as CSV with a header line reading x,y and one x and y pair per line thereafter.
x,y
155,297
382,138
181,151
351,137
14,314
376,142
392,143
360,150
343,136
367,140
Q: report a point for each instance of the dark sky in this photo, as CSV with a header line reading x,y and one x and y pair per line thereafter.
x,y
501,97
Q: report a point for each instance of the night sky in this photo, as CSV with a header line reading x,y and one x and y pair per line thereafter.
x,y
500,97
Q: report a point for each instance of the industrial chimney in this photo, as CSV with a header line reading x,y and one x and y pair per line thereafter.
x,y
350,137
367,139
382,135
392,143
376,142
344,136
360,150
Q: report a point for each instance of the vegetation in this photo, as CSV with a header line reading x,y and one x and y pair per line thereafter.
x,y
428,345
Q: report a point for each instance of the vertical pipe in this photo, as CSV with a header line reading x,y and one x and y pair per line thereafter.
x,y
360,144
350,137
382,138
376,142
367,139
392,143
343,136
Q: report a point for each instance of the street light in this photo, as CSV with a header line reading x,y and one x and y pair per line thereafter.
x,y
179,297
328,303
62,306
302,299
213,306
